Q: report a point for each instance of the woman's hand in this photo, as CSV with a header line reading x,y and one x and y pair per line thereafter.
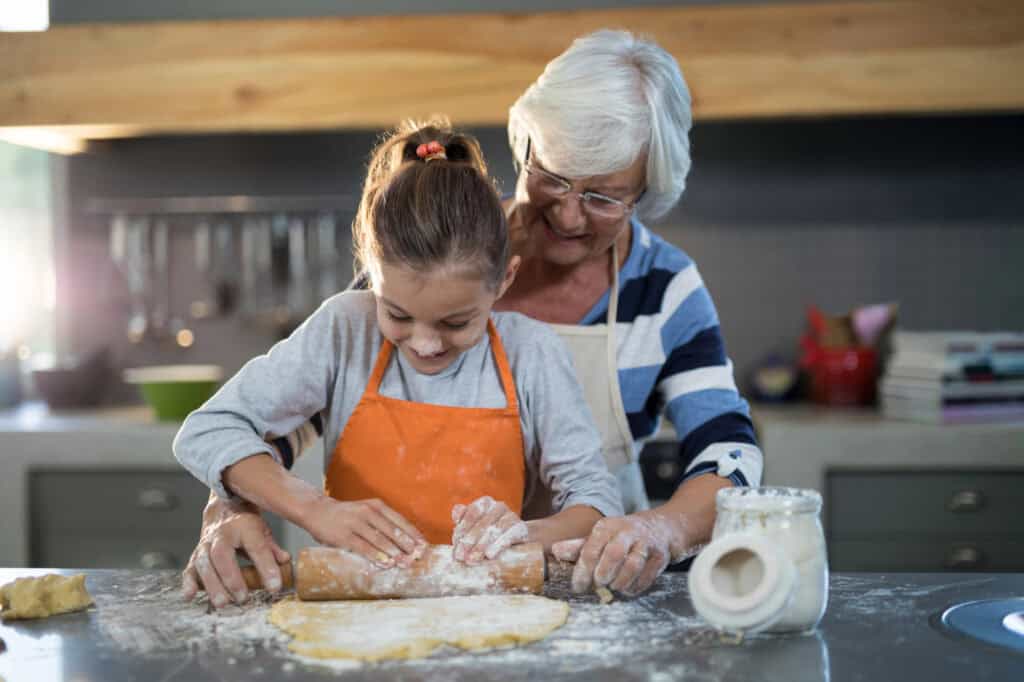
x,y
229,527
625,553
369,528
485,528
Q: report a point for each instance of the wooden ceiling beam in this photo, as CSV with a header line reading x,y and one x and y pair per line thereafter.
x,y
808,59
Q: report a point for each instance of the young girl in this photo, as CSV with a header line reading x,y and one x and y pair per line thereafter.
x,y
441,418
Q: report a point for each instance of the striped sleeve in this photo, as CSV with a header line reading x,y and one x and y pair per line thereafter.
x,y
288,448
696,388
672,362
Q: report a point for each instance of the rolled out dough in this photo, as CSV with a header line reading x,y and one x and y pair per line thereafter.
x,y
44,596
414,628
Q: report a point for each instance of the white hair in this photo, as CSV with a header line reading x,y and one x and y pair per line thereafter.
x,y
600,104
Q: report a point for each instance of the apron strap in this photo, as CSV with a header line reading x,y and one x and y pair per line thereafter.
x,y
504,370
373,385
613,350
500,358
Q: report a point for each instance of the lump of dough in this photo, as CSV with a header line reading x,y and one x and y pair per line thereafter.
x,y
605,595
45,596
414,628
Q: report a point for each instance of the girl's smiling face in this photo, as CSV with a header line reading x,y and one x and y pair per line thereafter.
x,y
434,316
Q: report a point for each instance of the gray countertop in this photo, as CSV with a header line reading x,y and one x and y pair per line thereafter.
x,y
878,627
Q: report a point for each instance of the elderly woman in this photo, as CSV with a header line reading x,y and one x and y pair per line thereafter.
x,y
601,139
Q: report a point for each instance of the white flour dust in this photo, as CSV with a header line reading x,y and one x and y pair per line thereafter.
x,y
866,599
149,618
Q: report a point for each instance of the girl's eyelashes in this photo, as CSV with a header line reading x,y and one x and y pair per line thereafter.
x,y
402,319
399,318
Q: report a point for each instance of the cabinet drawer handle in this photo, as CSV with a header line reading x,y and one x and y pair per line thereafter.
x,y
964,557
156,499
964,501
155,560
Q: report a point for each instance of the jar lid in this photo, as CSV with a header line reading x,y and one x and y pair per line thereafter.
x,y
769,499
742,583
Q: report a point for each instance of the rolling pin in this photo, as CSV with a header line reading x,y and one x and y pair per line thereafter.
x,y
326,573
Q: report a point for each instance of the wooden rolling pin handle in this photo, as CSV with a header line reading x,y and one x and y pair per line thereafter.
x,y
252,577
253,582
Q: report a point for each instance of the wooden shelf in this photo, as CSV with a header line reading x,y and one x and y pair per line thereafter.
x,y
814,59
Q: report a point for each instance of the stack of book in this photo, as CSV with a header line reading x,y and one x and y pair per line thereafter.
x,y
955,377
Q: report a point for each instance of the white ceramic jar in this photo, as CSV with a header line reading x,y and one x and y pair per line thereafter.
x,y
765,569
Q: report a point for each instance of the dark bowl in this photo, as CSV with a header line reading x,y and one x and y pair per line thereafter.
x,y
78,386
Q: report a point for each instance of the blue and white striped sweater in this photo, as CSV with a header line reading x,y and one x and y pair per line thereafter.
x,y
671,360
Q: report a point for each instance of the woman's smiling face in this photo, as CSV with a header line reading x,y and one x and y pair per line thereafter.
x,y
566,233
434,316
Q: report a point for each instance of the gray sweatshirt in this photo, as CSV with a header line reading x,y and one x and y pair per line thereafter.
x,y
325,365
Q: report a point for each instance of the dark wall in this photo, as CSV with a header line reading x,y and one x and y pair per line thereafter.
x,y
925,211
928,212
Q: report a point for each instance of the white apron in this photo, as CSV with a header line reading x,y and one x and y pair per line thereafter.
x,y
593,351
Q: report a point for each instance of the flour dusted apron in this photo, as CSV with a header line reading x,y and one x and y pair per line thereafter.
x,y
422,459
593,351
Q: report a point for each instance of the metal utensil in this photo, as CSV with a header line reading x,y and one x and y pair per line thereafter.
x,y
327,253
137,270
160,312
224,269
298,286
204,306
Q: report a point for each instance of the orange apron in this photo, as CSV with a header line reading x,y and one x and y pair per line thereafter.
x,y
422,459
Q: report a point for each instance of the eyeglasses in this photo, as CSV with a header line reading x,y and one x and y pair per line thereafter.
x,y
551,186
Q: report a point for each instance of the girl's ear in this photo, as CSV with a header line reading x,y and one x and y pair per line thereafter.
x,y
510,274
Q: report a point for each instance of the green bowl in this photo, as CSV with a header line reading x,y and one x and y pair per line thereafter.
x,y
174,391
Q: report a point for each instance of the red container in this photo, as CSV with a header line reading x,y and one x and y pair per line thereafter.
x,y
843,376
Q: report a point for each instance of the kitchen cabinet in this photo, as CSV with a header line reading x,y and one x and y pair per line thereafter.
x,y
925,521
101,488
902,496
115,518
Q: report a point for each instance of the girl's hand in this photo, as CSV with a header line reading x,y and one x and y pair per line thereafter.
x,y
485,528
369,528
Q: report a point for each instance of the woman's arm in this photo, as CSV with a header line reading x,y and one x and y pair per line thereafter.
x,y
718,449
628,553
230,527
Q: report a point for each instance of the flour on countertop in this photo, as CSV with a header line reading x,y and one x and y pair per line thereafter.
x,y
871,599
149,617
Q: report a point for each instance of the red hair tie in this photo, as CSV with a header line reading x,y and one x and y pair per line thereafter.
x,y
431,151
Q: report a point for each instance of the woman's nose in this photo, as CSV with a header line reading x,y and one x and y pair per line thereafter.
x,y
570,213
